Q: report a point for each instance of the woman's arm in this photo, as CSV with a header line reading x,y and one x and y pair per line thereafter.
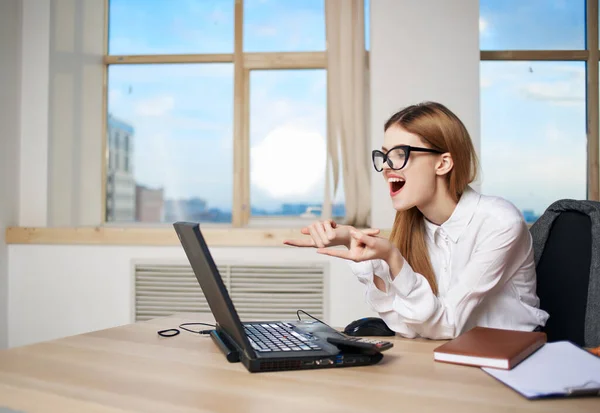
x,y
374,272
410,300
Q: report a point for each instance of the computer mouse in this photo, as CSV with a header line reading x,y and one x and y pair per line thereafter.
x,y
368,326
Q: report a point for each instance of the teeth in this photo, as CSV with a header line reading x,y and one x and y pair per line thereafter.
x,y
390,180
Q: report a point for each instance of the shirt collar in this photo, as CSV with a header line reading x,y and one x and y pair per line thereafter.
x,y
460,218
430,228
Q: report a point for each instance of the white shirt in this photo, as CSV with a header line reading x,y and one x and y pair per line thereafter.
x,y
482,257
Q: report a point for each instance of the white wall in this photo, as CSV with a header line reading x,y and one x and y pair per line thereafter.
x,y
10,65
421,50
58,291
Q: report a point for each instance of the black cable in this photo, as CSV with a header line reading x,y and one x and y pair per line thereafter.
x,y
172,332
313,317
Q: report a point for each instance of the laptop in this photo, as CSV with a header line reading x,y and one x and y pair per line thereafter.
x,y
265,345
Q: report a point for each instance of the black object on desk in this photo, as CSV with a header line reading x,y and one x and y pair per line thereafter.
x,y
368,326
226,346
360,345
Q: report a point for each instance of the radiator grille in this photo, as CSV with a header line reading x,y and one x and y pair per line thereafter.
x,y
258,292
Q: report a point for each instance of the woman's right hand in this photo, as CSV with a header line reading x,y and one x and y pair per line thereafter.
x,y
326,234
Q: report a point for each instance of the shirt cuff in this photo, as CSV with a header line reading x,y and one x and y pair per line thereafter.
x,y
405,281
380,301
362,270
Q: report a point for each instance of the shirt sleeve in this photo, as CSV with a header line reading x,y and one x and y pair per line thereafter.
x,y
380,301
409,305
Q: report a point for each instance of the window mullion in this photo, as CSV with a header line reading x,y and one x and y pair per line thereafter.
x,y
240,165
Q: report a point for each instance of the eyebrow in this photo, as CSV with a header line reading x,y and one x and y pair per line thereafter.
x,y
384,148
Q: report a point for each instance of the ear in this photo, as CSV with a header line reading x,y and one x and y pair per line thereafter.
x,y
444,164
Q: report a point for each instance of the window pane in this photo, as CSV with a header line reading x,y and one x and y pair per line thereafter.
x,y
533,144
532,24
170,142
170,27
284,25
288,126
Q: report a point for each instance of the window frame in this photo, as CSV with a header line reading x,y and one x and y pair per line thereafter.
x,y
591,56
243,63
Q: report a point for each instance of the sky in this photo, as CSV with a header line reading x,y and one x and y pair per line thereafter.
x,y
183,114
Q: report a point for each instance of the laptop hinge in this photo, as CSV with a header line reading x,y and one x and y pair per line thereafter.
x,y
225,345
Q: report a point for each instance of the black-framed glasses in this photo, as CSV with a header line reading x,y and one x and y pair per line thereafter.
x,y
397,156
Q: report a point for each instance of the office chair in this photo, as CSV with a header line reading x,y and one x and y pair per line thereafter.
x,y
567,268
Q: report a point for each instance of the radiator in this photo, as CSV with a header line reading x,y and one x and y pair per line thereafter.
x,y
258,291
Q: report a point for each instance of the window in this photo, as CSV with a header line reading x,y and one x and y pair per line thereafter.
x,y
535,102
287,141
532,24
175,122
284,26
533,115
216,100
161,27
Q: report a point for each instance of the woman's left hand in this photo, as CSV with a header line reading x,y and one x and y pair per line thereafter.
x,y
363,247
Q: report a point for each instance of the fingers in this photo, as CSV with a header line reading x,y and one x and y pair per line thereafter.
x,y
306,242
322,234
322,231
329,225
315,236
363,238
371,231
346,254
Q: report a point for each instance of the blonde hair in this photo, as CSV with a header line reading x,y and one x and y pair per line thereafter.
x,y
441,129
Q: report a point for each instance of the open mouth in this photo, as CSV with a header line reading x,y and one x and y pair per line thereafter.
x,y
396,184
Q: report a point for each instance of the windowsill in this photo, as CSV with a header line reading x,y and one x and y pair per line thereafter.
x,y
216,236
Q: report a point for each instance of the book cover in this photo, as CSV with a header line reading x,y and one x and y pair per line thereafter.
x,y
490,347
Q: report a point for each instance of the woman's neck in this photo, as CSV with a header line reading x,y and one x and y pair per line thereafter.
x,y
440,207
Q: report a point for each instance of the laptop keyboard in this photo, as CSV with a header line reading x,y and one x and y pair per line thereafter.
x,y
277,337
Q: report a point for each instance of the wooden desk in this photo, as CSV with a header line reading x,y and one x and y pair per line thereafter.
x,y
132,369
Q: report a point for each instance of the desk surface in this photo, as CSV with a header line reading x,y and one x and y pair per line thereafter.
x,y
132,369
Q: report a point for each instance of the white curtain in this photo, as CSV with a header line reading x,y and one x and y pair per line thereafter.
x,y
347,110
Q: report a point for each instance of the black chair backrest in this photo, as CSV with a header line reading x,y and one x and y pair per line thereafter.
x,y
563,274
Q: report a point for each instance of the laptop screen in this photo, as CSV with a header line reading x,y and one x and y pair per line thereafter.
x,y
211,283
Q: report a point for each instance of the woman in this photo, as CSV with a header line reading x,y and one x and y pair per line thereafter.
x,y
455,259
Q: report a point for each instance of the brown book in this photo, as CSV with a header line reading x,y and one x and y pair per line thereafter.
x,y
490,347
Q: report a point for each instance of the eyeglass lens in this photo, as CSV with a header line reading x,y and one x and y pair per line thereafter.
x,y
397,157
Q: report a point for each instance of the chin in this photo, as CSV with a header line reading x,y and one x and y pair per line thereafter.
x,y
401,203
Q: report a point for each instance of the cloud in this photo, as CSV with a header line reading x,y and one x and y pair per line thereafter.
x,y
219,16
485,82
560,84
283,176
283,27
265,31
114,96
156,106
483,24
555,136
539,170
564,92
288,117
184,167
